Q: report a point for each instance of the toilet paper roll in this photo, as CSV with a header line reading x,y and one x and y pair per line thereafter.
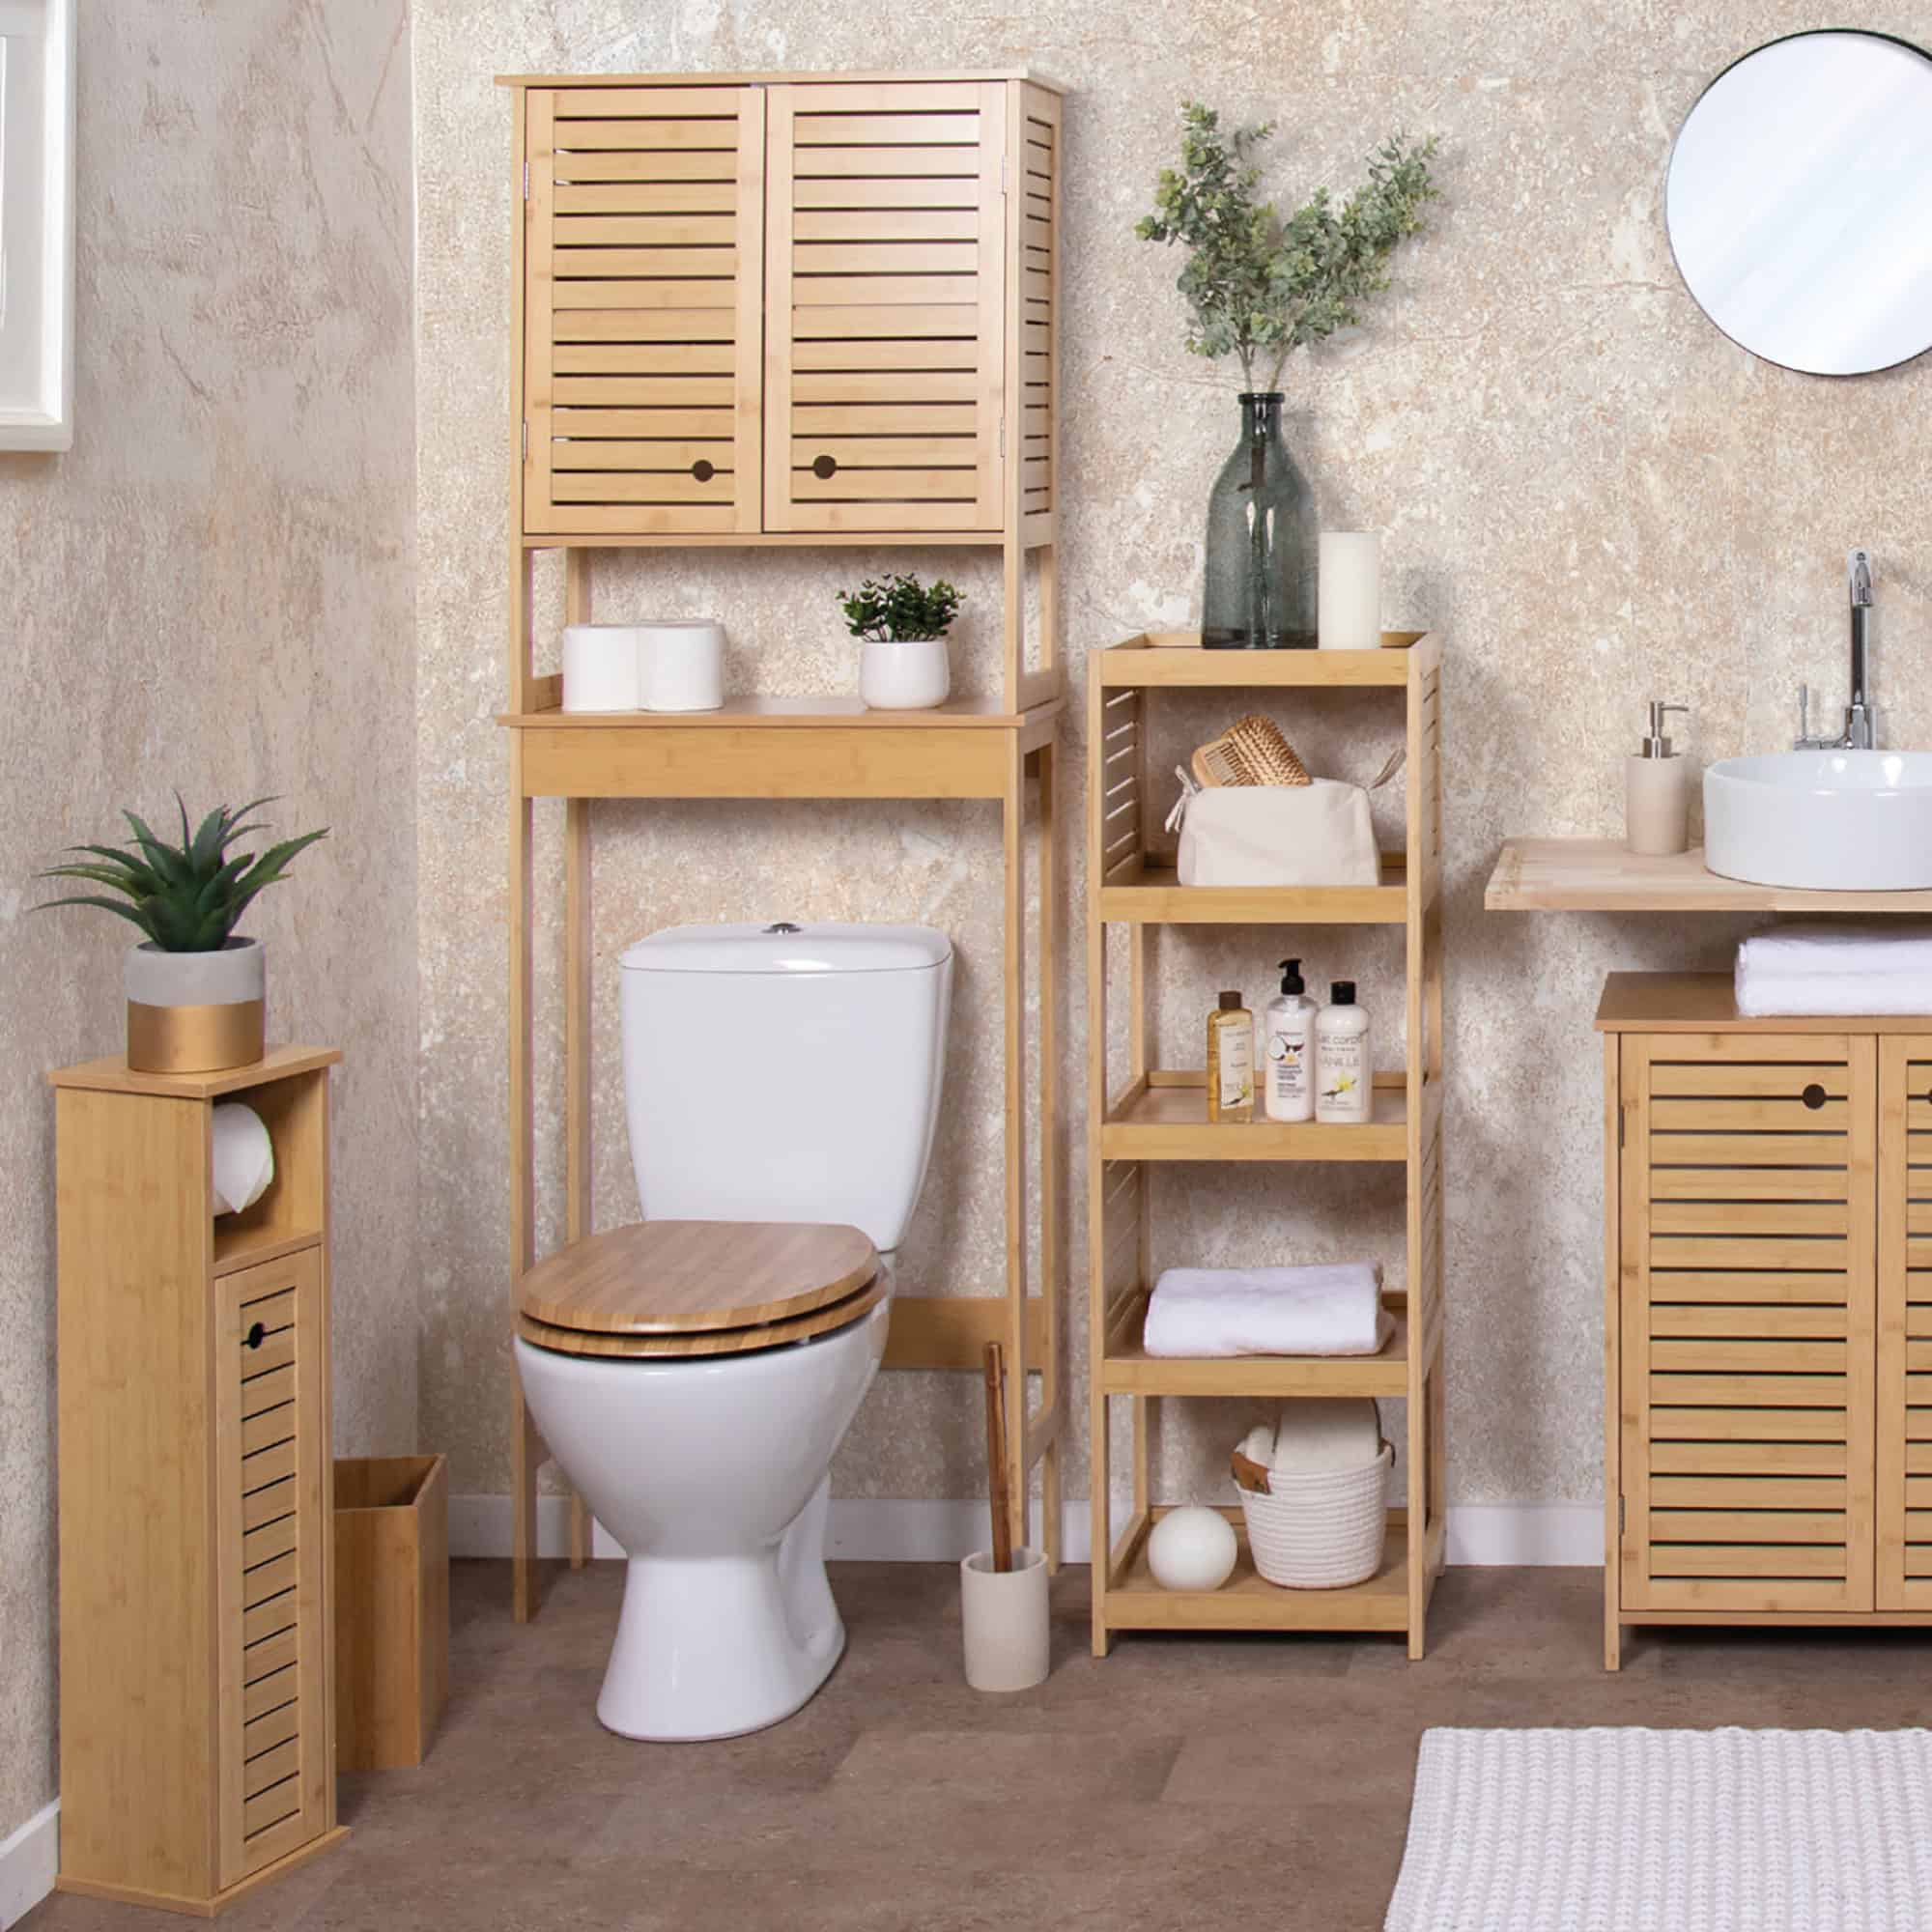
x,y
245,1158
681,665
600,667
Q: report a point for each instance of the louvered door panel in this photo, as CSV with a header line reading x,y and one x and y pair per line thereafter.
x,y
1904,1403
1038,323
884,323
1749,1218
274,1637
644,296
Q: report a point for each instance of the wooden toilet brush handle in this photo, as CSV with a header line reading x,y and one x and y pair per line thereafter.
x,y
996,1458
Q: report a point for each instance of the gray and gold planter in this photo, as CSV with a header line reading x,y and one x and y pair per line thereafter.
x,y
195,1013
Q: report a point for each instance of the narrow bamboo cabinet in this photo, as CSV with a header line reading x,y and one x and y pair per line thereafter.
x,y
771,312
1768,1312
1160,1119
197,1636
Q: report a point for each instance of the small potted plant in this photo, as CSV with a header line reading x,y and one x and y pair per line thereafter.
x,y
901,624
195,992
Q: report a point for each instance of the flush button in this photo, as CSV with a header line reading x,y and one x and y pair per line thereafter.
x,y
784,925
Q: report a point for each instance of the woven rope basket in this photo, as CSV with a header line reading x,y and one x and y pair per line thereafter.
x,y
1320,1531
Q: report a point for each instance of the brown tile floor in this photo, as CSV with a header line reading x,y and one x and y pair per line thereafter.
x,y
1181,1783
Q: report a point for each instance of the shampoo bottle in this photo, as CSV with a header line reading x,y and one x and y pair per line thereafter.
x,y
1344,1067
1231,1061
1287,1064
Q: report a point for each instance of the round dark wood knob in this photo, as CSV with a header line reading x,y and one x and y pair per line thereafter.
x,y
255,1337
1813,1096
703,471
825,466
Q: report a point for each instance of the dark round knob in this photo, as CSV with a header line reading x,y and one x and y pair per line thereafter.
x,y
825,466
703,471
255,1336
1813,1096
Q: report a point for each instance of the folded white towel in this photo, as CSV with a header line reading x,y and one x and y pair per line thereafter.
x,y
1859,947
1315,1433
1765,995
1328,1309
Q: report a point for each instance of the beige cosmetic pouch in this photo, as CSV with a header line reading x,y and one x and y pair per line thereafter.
x,y
1319,833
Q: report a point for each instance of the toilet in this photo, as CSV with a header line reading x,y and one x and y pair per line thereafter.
x,y
694,1374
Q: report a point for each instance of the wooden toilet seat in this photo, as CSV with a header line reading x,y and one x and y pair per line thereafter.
x,y
663,1289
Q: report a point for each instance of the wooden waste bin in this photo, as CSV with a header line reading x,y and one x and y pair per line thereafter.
x,y
391,1608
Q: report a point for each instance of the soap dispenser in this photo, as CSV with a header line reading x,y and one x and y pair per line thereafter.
x,y
1656,792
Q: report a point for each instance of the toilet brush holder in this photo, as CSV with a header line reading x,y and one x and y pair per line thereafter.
x,y
1003,1614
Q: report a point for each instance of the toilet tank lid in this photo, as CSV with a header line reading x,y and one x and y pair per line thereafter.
x,y
789,946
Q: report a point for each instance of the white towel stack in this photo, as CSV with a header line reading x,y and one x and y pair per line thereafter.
x,y
1835,969
1329,1308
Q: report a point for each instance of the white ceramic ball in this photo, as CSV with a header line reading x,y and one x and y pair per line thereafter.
x,y
1192,1549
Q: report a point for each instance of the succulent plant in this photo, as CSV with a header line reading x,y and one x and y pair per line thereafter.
x,y
187,897
899,610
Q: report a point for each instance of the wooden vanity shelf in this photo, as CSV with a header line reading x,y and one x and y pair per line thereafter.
x,y
197,1641
1159,1117
769,311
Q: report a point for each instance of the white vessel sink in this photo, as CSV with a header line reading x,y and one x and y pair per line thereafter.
x,y
1831,821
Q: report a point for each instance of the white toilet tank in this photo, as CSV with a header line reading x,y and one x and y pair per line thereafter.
x,y
786,1072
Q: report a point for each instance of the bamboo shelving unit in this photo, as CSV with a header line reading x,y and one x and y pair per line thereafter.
x,y
775,311
1159,1118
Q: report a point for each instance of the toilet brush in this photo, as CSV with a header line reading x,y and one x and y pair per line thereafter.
x,y
996,1460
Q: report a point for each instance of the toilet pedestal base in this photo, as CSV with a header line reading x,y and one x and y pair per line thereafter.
x,y
710,1648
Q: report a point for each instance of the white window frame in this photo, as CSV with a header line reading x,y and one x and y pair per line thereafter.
x,y
37,198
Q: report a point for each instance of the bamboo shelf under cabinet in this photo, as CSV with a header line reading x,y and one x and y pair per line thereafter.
x,y
1160,1117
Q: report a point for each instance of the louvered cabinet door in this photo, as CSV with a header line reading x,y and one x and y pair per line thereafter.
x,y
1904,1397
1749,1226
886,270
275,1709
644,299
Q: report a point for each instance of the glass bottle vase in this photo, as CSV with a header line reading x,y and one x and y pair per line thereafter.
x,y
1258,593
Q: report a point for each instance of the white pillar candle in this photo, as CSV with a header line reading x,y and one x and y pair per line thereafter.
x,y
1348,591
600,667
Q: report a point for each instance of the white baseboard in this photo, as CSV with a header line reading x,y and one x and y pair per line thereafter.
x,y
29,1858
884,1530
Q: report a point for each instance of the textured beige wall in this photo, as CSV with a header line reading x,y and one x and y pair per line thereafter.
x,y
1592,495
213,589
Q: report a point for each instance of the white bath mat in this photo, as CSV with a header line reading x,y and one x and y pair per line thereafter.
x,y
1634,1830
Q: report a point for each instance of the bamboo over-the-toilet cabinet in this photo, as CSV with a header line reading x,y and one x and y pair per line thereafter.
x,y
1769,1312
786,311
198,1707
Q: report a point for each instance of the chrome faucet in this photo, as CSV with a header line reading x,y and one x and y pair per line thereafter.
x,y
1860,733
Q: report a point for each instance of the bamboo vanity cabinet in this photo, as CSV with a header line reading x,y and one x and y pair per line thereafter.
x,y
1768,1205
196,1642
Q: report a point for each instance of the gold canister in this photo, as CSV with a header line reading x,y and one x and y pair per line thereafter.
x,y
195,1040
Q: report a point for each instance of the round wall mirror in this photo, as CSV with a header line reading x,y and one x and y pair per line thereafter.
x,y
1800,202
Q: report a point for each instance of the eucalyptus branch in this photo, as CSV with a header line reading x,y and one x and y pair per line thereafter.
x,y
1258,286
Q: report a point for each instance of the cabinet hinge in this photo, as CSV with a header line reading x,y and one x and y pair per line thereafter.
x,y
1005,163
1620,1516
1002,437
526,443
1620,1129
527,181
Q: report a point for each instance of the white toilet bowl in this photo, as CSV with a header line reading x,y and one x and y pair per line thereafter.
x,y
712,1475
779,1074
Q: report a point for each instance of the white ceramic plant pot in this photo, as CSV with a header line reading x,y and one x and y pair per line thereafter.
x,y
913,675
195,1013
1004,1621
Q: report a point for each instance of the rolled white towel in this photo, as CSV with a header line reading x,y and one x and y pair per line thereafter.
x,y
1326,1309
1327,1431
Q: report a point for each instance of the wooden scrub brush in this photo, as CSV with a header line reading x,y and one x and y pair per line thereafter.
x,y
1251,751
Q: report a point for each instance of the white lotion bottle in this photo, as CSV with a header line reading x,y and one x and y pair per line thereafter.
x,y
1656,792
1288,1059
1344,1067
